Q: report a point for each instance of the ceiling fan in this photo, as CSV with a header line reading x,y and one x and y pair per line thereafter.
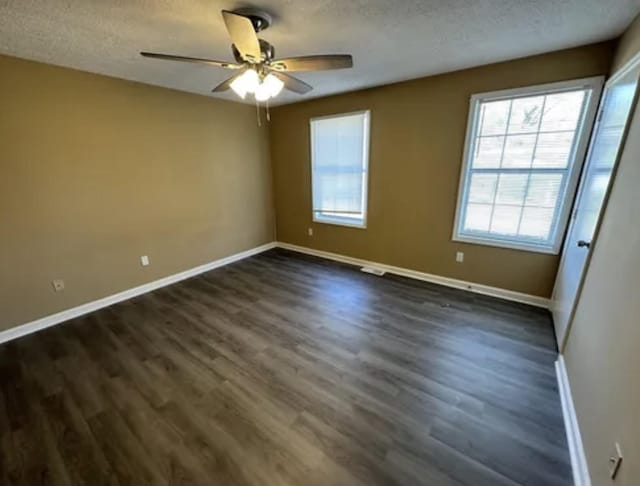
x,y
258,72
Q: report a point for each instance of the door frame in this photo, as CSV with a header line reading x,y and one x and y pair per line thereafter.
x,y
633,63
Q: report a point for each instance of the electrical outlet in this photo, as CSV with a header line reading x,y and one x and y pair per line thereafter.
x,y
615,461
58,285
144,259
459,257
310,231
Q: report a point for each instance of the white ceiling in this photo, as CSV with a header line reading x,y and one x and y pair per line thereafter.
x,y
391,40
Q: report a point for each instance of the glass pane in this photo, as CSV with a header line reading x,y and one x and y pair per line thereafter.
x,y
325,148
536,223
482,188
488,153
350,149
617,106
338,164
618,103
505,220
338,191
525,114
562,111
595,191
543,190
511,189
553,150
338,141
493,117
477,217
605,147
518,151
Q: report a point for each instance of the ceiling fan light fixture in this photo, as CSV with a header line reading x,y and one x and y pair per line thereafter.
x,y
269,88
248,82
256,69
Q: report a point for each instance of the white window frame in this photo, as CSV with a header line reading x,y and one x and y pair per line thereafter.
x,y
576,159
318,216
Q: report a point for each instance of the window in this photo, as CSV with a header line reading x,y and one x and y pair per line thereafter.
x,y
523,153
339,168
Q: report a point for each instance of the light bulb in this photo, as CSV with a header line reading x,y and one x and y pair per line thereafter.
x,y
238,86
273,85
262,92
251,80
245,83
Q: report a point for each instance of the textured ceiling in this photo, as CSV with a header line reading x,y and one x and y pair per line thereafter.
x,y
390,40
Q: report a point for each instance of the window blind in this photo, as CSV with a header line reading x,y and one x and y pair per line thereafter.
x,y
339,167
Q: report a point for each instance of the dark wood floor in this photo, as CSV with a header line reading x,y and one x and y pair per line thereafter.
x,y
284,369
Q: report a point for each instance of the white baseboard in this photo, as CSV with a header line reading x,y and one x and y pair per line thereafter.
x,y
427,277
53,319
576,450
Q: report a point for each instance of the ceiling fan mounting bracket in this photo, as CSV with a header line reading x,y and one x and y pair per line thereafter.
x,y
259,18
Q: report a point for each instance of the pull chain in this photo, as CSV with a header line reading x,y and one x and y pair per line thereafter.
x,y
268,113
258,113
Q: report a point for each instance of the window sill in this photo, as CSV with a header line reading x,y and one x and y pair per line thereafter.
x,y
340,222
511,245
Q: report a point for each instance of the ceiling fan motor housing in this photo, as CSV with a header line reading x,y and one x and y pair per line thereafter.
x,y
267,50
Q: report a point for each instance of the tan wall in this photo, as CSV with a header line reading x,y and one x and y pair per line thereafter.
x,y
417,135
602,359
95,172
628,46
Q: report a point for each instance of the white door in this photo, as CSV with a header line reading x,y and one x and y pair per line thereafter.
x,y
608,137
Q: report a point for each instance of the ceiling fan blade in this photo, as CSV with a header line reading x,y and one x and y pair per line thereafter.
x,y
293,84
226,84
313,63
210,62
242,35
